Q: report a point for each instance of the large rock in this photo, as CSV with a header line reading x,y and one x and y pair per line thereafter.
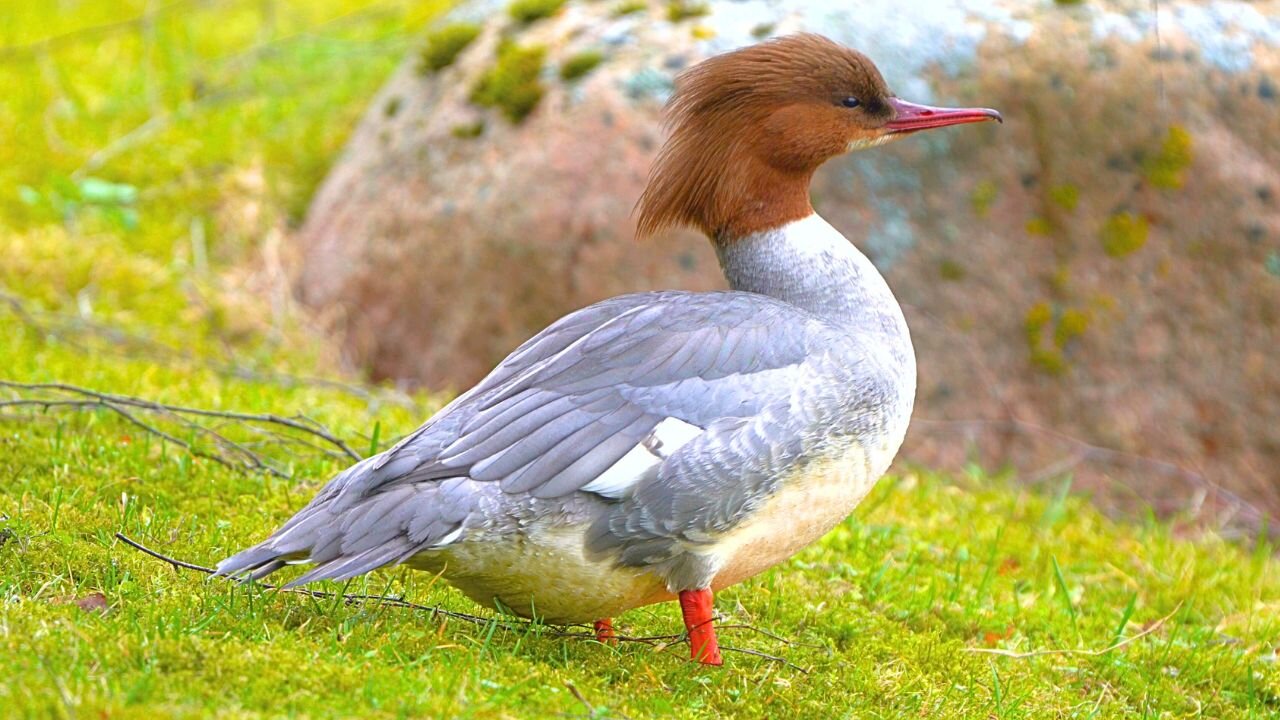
x,y
1093,287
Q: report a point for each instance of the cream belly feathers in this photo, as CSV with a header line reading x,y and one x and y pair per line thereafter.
x,y
549,574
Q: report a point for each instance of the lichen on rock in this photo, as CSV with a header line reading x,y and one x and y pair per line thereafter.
x,y
528,11
1165,169
445,44
578,65
1124,233
513,84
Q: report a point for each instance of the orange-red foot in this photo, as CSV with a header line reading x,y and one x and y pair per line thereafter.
x,y
604,632
699,610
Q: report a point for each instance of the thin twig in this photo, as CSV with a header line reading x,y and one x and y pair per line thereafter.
x,y
765,656
308,426
231,453
581,632
576,693
1089,653
771,636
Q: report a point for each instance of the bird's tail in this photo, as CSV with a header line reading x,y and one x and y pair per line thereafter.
x,y
348,534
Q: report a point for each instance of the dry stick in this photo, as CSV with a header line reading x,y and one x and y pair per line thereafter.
x,y
771,636
118,403
252,460
659,641
309,426
1091,653
573,690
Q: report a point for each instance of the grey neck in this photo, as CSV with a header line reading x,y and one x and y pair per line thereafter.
x,y
809,264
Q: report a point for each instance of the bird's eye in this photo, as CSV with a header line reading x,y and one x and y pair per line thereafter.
x,y
850,102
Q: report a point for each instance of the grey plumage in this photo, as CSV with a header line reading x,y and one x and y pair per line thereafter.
x,y
775,372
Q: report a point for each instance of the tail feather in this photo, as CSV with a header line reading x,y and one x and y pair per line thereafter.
x,y
255,563
382,529
347,567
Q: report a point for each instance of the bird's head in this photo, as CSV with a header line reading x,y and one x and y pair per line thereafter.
x,y
749,128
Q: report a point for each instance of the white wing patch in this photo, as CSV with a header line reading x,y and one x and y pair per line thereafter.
x,y
447,539
643,460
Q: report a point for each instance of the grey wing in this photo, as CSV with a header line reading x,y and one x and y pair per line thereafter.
x,y
566,406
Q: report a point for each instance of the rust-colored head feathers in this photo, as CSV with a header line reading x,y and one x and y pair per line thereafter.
x,y
749,128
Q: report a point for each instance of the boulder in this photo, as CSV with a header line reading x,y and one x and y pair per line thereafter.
x,y
1093,287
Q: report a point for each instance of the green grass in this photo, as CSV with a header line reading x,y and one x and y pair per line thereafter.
x,y
884,614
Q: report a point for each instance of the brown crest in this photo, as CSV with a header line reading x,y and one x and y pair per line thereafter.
x,y
749,128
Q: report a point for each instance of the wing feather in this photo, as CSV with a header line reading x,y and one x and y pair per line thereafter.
x,y
564,408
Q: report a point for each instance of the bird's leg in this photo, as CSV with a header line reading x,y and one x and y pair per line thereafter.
x,y
604,631
698,608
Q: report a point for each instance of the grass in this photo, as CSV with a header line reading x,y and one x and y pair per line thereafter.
x,y
885,614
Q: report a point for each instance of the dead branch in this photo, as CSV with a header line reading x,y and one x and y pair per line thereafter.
x,y
302,432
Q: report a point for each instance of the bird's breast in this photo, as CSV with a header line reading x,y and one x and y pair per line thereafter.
x,y
809,500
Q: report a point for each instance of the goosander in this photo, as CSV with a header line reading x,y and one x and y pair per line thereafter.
x,y
665,445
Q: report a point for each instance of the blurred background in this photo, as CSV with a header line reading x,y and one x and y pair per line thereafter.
x,y
401,192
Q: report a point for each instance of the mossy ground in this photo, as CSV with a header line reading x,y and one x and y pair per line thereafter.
x,y
884,613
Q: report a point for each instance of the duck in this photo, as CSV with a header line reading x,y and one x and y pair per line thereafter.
x,y
665,445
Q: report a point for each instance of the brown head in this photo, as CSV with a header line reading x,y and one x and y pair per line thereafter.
x,y
749,128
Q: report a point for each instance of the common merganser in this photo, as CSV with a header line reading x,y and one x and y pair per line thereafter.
x,y
665,445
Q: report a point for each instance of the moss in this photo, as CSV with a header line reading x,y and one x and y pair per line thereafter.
x,y
1167,168
949,269
763,30
1124,233
392,108
445,44
1049,362
578,65
512,85
1060,279
679,10
1065,196
1038,226
1071,324
629,7
1038,316
983,197
468,131
527,11
1046,359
